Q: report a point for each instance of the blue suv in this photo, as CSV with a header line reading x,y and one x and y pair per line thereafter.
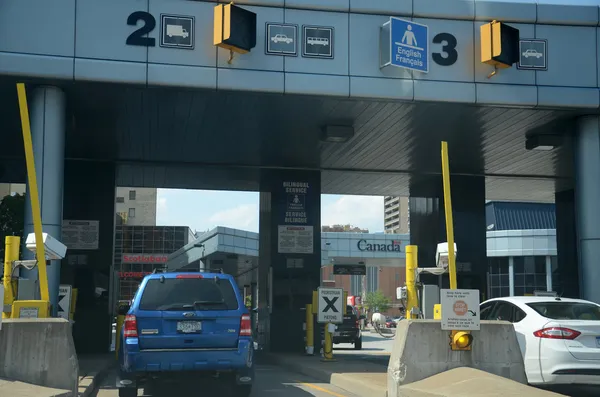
x,y
182,325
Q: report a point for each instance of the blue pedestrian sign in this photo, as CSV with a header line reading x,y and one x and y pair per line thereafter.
x,y
409,45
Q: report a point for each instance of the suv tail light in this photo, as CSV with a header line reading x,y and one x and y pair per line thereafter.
x,y
130,327
557,333
245,325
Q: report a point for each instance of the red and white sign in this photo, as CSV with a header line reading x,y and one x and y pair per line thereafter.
x,y
144,258
133,274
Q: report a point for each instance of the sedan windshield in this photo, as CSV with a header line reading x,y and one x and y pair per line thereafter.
x,y
567,310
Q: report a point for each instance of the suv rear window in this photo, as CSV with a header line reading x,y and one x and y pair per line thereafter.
x,y
188,294
567,310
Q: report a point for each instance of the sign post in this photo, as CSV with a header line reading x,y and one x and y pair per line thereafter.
x,y
460,309
330,311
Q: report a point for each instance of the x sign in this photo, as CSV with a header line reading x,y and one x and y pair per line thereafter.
x,y
330,303
330,308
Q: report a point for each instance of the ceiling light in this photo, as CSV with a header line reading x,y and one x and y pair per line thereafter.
x,y
543,142
336,133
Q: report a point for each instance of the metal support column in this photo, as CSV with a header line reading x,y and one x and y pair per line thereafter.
x,y
511,276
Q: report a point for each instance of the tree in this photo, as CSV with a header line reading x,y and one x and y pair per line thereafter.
x,y
12,222
377,302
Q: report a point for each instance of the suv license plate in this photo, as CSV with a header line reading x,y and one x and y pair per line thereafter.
x,y
188,327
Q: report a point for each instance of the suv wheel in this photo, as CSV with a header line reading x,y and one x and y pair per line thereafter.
x,y
128,392
358,344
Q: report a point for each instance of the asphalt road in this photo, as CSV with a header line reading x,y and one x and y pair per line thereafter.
x,y
270,381
377,349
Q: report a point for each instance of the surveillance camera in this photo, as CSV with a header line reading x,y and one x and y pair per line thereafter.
x,y
441,255
54,249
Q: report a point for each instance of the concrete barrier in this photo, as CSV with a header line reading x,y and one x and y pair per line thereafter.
x,y
39,351
421,349
470,382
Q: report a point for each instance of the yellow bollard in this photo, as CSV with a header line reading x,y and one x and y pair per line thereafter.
x,y
11,253
412,299
122,309
120,320
328,346
310,342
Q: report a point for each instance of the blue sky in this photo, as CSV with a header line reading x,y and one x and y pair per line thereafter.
x,y
204,209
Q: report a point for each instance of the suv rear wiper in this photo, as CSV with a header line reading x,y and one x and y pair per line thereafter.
x,y
175,306
202,303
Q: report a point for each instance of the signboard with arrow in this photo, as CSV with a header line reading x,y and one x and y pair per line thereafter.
x,y
64,301
460,309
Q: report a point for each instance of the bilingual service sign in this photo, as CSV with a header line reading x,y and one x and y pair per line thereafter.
x,y
460,309
330,305
407,43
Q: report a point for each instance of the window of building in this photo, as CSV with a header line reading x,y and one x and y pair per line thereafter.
x,y
120,199
530,274
132,212
498,280
132,195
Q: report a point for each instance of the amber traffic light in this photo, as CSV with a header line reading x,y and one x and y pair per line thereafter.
x,y
235,28
461,340
499,44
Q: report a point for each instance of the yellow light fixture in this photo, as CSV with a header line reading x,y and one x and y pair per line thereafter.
x,y
461,340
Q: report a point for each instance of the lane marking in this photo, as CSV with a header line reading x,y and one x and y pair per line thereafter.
x,y
319,388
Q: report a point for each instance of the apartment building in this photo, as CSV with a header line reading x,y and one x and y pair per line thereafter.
x,y
136,206
396,215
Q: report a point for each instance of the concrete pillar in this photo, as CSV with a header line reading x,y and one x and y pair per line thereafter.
x,y
511,275
587,196
90,195
289,269
428,227
47,115
566,276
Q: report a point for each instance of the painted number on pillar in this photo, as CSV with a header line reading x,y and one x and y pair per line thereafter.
x,y
449,44
137,37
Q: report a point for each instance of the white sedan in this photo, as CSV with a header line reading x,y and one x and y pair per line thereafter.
x,y
559,337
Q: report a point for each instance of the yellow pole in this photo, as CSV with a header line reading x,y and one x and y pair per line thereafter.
x,y
411,285
328,348
120,321
33,193
11,253
448,212
310,340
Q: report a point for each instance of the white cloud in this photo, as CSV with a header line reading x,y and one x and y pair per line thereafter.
x,y
241,217
361,211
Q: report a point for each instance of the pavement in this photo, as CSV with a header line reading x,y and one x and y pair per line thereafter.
x,y
92,369
270,381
